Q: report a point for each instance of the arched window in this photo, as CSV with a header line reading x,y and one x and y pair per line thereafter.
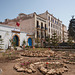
x,y
37,24
48,18
45,26
41,25
37,34
0,36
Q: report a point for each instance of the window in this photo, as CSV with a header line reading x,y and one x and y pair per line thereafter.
x,y
45,34
41,25
0,36
41,34
53,26
49,23
45,26
49,30
37,23
55,21
48,18
37,33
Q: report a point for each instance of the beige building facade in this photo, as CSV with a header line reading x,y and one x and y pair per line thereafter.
x,y
64,33
54,25
33,24
38,27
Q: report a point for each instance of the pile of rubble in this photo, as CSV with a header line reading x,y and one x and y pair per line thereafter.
x,y
69,62
46,68
38,53
70,59
28,70
43,68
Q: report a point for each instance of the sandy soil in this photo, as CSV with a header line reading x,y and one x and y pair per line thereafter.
x,y
7,67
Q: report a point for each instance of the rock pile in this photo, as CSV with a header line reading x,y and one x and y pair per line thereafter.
x,y
53,71
43,68
38,53
69,62
30,69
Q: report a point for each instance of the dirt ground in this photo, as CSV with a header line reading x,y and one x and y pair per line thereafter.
x,y
7,67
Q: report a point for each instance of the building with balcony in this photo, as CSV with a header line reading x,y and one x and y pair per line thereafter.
x,y
38,27
41,29
54,25
34,25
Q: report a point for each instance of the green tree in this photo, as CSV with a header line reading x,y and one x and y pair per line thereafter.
x,y
71,29
70,41
37,40
24,42
54,39
48,39
13,42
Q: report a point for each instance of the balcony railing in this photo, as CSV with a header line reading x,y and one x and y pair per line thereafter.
x,y
42,27
38,26
46,28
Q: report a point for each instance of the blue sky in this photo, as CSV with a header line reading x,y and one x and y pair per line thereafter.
x,y
62,9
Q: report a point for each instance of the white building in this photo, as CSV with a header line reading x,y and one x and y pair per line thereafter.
x,y
33,24
33,29
7,33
